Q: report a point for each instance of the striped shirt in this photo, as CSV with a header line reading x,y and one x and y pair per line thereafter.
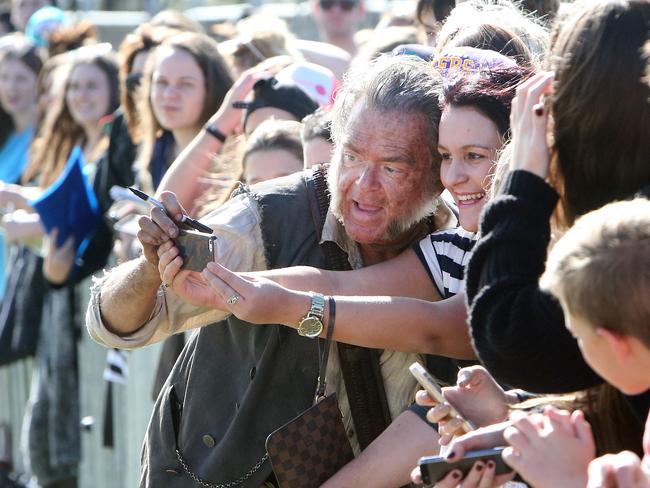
x,y
445,254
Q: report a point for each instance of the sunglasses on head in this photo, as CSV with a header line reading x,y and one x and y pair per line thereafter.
x,y
346,5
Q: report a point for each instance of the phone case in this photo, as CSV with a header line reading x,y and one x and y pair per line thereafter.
x,y
433,389
197,249
434,468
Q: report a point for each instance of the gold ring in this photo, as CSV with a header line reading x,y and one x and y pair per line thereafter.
x,y
233,299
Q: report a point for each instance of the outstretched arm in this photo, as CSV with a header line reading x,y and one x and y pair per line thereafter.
x,y
402,276
401,324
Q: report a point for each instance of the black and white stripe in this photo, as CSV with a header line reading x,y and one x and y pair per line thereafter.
x,y
445,254
116,369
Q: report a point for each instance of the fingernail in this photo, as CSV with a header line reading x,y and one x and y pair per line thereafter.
x,y
450,455
456,475
490,464
539,109
479,467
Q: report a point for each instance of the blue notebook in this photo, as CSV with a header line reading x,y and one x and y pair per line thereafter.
x,y
70,205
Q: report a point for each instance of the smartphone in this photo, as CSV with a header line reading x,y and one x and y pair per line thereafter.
x,y
434,468
434,390
196,248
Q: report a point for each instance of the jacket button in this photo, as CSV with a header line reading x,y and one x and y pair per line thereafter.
x,y
253,371
208,440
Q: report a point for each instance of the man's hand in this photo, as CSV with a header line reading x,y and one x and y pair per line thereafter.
x,y
622,470
159,227
189,285
551,449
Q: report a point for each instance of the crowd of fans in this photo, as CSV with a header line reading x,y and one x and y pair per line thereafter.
x,y
464,186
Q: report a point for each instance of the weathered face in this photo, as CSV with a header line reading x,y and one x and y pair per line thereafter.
x,y
177,89
468,142
88,95
382,180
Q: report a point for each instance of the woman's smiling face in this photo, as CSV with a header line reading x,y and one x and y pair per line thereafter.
x,y
468,143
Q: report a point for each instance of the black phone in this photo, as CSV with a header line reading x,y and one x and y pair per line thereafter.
x,y
434,468
196,248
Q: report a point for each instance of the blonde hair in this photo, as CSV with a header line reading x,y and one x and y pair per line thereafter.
x,y
600,269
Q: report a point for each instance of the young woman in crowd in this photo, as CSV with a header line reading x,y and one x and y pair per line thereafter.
x,y
473,128
20,65
187,80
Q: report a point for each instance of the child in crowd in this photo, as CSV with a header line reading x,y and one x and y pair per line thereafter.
x,y
600,272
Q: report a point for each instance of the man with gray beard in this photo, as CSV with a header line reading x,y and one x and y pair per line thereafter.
x,y
235,383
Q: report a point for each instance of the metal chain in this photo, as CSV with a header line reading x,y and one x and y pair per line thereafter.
x,y
230,484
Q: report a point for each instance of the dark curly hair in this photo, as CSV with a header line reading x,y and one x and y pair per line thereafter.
x,y
489,91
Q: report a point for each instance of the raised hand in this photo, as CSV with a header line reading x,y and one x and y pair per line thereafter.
x,y
528,122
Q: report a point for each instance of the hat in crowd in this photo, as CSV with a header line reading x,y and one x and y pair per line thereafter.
x,y
469,59
285,95
319,82
42,23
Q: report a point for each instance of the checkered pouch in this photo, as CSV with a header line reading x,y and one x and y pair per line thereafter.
x,y
310,449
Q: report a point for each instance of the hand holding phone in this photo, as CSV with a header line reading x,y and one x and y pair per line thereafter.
x,y
435,468
434,390
197,249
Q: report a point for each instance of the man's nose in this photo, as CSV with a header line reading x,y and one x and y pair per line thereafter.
x,y
368,178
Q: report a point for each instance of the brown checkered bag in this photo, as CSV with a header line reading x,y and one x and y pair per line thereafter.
x,y
311,448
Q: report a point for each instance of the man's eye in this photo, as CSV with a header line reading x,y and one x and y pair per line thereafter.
x,y
349,158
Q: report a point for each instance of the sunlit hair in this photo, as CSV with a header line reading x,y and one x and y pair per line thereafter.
x,y
600,269
275,135
259,38
70,37
217,78
499,19
391,84
384,41
440,9
59,132
173,19
600,105
142,40
25,52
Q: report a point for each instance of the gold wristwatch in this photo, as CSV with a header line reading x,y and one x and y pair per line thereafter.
x,y
311,325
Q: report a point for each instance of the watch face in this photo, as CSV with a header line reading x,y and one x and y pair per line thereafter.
x,y
310,327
